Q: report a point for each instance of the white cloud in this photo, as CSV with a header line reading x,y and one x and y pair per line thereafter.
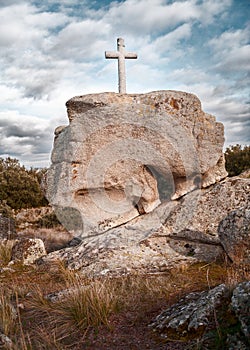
x,y
23,26
147,16
210,9
81,40
142,17
25,136
10,2
51,52
172,39
26,61
232,50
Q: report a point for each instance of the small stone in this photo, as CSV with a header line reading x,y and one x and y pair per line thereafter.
x,y
28,250
6,342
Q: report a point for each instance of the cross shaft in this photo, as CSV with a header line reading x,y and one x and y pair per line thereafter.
x,y
121,55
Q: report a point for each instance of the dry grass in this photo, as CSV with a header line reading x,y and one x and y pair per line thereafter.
x,y
5,252
53,238
8,314
87,304
236,273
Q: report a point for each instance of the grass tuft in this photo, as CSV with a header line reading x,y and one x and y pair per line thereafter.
x,y
6,252
85,306
8,314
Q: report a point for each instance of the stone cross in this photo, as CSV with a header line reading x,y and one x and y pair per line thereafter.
x,y
121,54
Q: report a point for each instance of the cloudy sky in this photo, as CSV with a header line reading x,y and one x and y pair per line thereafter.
x,y
52,50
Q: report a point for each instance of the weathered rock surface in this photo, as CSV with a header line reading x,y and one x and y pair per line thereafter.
x,y
202,211
28,250
191,315
107,163
176,232
241,306
118,251
202,315
193,226
234,234
245,174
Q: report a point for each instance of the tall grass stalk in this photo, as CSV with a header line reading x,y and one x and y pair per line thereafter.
x,y
82,307
6,252
8,314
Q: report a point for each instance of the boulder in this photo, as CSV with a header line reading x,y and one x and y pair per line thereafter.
x,y
241,306
199,317
27,251
190,317
121,155
124,249
234,234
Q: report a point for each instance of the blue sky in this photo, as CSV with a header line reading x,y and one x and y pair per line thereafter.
x,y
53,50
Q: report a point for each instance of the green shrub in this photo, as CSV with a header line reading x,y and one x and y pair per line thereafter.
x,y
19,187
237,159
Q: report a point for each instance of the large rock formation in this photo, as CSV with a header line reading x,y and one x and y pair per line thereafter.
x,y
177,232
121,155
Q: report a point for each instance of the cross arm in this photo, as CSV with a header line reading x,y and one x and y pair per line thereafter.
x,y
112,54
130,55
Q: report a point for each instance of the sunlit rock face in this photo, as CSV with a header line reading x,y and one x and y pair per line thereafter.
x,y
123,154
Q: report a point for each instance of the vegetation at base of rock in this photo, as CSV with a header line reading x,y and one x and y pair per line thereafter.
x,y
19,187
85,305
48,221
237,159
65,310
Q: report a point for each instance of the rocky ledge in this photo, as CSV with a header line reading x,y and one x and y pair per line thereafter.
x,y
192,229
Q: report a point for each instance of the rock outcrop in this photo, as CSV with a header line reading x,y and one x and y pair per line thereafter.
x,y
191,315
175,233
241,306
198,219
202,315
121,155
234,234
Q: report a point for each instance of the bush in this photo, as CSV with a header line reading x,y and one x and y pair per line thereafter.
x,y
48,221
237,159
19,187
